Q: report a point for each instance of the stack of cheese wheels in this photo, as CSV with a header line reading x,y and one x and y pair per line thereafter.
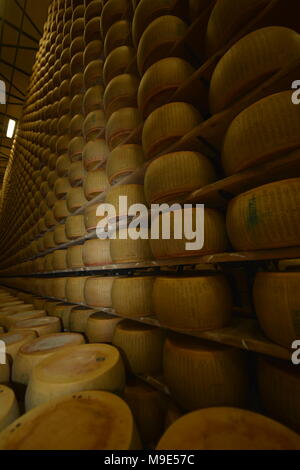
x,y
193,303
160,82
96,252
13,341
119,34
132,296
74,257
117,62
41,326
279,385
60,260
266,130
141,346
265,217
30,355
171,177
214,231
201,374
166,125
108,414
114,10
121,126
9,410
78,319
123,161
148,407
75,289
95,154
134,193
277,303
95,183
100,327
121,92
75,227
91,219
97,291
125,249
236,430
78,368
12,320
249,62
228,19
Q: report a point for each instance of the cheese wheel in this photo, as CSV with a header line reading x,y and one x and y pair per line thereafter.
x,y
93,99
106,413
77,45
59,288
9,410
48,262
94,125
76,199
123,161
75,227
228,19
100,327
202,375
250,62
117,62
60,260
75,289
95,153
121,92
114,10
63,311
95,183
133,192
60,235
74,257
92,29
30,355
160,82
128,250
236,430
91,219
121,126
93,74
11,320
214,230
279,384
158,39
17,308
61,212
62,186
76,173
97,291
119,34
92,51
79,368
76,107
78,319
132,296
265,130
172,177
75,148
76,125
96,252
265,217
50,222
192,303
76,63
168,124
41,326
141,347
92,9
62,165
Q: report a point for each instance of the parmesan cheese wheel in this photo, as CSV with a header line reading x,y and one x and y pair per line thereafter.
x,y
123,161
172,177
117,62
75,148
192,303
63,311
92,29
140,345
77,45
114,10
132,296
121,92
50,222
60,260
119,34
84,367
60,235
158,39
59,288
79,317
60,213
76,199
76,173
202,375
92,9
94,125
160,82
76,125
120,127
128,250
227,429
41,326
75,289
75,227
30,355
48,263
96,252
76,63
265,130
62,165
100,327
93,74
249,62
91,219
62,186
277,306
133,192
93,99
74,258
76,104
228,19
11,320
168,124
279,385
265,217
106,413
92,51
95,183
9,410
95,153
97,291
214,230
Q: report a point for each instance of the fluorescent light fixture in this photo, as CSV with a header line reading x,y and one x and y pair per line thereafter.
x,y
10,128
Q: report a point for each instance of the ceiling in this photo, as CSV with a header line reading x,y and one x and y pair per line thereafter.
x,y
21,27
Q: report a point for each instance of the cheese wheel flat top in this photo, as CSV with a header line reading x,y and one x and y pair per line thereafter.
x,y
14,338
35,322
51,342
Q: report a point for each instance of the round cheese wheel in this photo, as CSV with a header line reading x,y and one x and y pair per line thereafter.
x,y
75,289
236,430
168,124
76,63
41,326
193,303
114,10
100,327
62,186
93,99
78,319
96,252
202,375
63,311
119,34
60,213
92,9
172,177
265,130
106,413
117,62
95,153
93,74
12,320
132,297
30,355
75,227
120,127
123,161
60,235
158,39
92,30
128,250
9,409
60,260
77,104
94,125
265,217
97,291
59,288
79,368
95,183
74,258
133,192
75,148
62,165
141,346
91,219
92,51
121,92
76,173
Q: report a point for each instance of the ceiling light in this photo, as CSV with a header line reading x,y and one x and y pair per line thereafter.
x,y
10,128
